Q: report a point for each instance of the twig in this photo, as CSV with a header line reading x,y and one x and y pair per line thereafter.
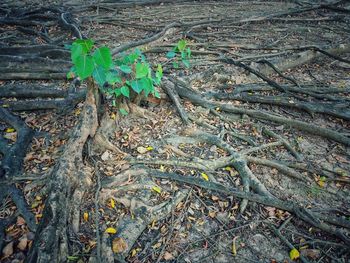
x,y
285,240
285,143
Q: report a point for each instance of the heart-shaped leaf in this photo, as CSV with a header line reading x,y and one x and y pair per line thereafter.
x,y
84,66
141,70
102,56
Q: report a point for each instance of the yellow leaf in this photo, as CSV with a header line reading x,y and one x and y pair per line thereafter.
x,y
234,249
162,168
86,216
217,109
212,214
149,148
321,183
77,112
111,230
153,224
9,130
157,245
113,116
294,254
112,203
133,253
205,176
228,168
157,189
38,198
35,204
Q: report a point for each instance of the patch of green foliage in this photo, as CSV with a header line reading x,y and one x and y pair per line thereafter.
x,y
127,72
180,53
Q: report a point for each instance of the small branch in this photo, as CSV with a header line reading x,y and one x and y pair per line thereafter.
x,y
284,141
168,87
146,40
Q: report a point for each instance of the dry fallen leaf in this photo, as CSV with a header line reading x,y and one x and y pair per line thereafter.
x,y
7,250
141,149
311,253
157,189
86,216
212,214
112,203
23,242
105,156
119,245
20,221
214,198
294,254
168,256
205,176
111,230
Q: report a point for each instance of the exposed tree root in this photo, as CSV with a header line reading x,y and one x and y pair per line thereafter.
x,y
185,91
131,227
11,165
69,181
303,213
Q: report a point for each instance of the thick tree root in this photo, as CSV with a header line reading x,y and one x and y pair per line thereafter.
x,y
12,164
305,214
69,180
185,91
143,213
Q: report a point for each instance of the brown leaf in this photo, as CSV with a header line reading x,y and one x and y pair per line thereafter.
x,y
20,221
7,250
311,253
119,245
23,242
271,211
168,256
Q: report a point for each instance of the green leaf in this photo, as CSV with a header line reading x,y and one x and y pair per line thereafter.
x,y
72,258
159,74
129,59
156,94
117,92
181,45
160,69
99,75
84,66
76,52
141,70
147,86
67,46
103,57
112,78
170,54
114,104
139,54
136,85
125,91
70,75
186,63
86,44
125,69
189,52
175,65
123,112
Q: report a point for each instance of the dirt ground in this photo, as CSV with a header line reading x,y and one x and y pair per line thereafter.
x,y
244,158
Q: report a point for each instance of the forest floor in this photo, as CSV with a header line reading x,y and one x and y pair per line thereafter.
x,y
256,168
